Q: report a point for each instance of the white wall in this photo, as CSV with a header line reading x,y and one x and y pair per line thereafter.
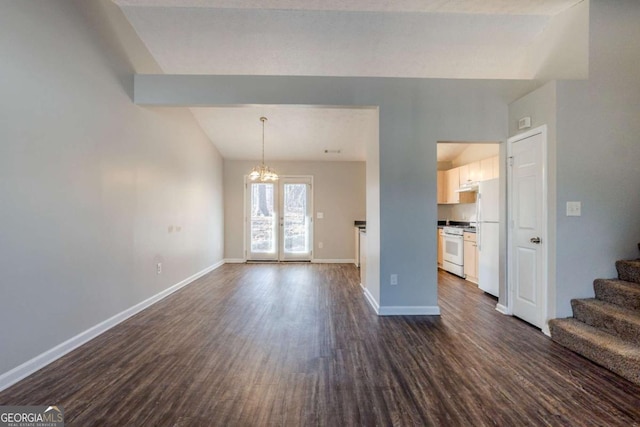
x,y
339,192
95,190
598,154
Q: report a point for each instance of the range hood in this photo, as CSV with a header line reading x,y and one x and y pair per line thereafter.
x,y
467,188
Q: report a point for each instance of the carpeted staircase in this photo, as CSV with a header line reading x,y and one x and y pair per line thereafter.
x,y
606,329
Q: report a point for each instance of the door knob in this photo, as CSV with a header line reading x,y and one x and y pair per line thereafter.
x,y
535,240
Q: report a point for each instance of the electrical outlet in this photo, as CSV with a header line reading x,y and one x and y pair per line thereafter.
x,y
320,245
394,279
159,268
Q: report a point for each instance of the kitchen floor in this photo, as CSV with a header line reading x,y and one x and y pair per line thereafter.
x,y
283,344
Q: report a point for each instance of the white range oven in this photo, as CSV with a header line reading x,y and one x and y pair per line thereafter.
x,y
453,250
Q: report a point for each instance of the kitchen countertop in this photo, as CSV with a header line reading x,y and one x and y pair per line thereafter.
x,y
462,224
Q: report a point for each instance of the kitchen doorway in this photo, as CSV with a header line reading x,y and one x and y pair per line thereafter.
x,y
279,219
471,212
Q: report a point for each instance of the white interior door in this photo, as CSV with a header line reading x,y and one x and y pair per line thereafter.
x,y
295,219
527,227
279,220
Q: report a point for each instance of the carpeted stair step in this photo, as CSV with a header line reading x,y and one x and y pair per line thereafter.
x,y
611,318
629,270
604,349
619,292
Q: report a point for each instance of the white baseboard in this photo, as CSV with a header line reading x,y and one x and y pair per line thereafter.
x,y
424,310
333,261
18,373
371,300
313,261
546,330
502,309
399,310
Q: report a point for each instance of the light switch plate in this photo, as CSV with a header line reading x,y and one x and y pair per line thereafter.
x,y
574,208
320,215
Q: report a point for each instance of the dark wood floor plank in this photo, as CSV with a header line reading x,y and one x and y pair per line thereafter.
x,y
297,344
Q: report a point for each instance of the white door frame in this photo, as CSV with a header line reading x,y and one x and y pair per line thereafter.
x,y
245,235
299,178
544,307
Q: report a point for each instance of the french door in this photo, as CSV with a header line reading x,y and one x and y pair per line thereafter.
x,y
279,219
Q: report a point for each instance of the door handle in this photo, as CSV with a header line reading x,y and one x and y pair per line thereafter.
x,y
535,240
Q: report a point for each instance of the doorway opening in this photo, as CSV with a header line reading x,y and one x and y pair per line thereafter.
x,y
279,219
470,201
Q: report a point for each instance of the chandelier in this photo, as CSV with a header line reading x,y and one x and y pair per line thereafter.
x,y
262,172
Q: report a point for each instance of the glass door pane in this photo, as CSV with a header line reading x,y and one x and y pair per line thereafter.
x,y
263,224
296,219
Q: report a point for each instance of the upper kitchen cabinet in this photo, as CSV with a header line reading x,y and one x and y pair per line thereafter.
x,y
474,171
453,181
489,168
462,164
496,166
463,176
442,187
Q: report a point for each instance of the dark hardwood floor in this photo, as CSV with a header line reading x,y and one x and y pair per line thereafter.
x,y
289,345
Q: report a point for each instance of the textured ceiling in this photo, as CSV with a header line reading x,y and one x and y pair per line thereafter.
x,y
449,151
291,133
325,43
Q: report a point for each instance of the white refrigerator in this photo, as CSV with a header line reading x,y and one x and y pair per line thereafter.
x,y
488,233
